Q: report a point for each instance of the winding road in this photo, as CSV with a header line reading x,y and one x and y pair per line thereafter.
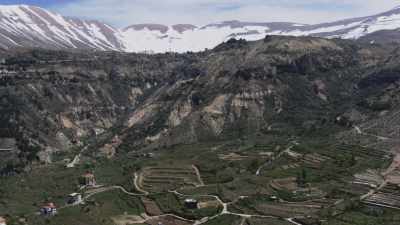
x,y
224,211
137,186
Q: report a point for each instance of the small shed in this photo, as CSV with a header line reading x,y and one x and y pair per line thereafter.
x,y
191,203
74,198
49,209
3,221
273,198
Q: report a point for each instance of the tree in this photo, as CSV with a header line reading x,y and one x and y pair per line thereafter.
x,y
302,178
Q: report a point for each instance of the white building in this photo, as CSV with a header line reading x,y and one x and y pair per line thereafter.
x,y
74,199
3,221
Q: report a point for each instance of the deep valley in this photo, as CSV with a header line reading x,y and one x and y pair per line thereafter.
x,y
284,130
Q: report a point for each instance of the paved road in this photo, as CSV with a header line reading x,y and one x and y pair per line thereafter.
x,y
224,211
137,186
291,220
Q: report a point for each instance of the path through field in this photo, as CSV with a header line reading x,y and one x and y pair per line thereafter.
x,y
393,166
291,145
201,182
77,158
137,186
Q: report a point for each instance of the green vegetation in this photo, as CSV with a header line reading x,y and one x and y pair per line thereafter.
x,y
264,221
224,219
223,177
170,203
278,127
100,209
26,193
366,215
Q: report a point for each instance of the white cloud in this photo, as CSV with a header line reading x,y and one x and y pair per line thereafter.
x,y
126,12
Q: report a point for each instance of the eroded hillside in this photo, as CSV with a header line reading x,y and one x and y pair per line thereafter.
x,y
54,102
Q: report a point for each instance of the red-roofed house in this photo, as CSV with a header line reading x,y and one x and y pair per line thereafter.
x,y
88,179
49,209
3,221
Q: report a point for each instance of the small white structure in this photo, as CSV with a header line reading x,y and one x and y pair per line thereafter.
x,y
3,221
74,199
191,203
273,198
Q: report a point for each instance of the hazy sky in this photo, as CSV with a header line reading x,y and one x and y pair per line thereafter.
x,y
125,12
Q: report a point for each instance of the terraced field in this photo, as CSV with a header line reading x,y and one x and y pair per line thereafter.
x,y
161,179
370,178
277,209
389,196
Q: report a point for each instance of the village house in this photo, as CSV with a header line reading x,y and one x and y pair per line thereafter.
x,y
3,221
88,179
49,210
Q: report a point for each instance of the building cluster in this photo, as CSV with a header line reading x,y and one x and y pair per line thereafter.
x,y
50,209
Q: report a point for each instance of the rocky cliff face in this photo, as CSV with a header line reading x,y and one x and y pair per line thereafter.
x,y
54,101
53,106
240,89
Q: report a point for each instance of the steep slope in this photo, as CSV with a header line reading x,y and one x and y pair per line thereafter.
x,y
54,101
383,36
280,84
30,26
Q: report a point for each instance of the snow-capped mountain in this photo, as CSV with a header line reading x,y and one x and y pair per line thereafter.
x,y
146,37
30,26
351,28
186,37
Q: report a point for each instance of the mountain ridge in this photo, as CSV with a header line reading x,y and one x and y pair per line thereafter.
x,y
32,26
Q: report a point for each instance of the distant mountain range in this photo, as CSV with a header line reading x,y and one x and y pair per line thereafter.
x,y
31,26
